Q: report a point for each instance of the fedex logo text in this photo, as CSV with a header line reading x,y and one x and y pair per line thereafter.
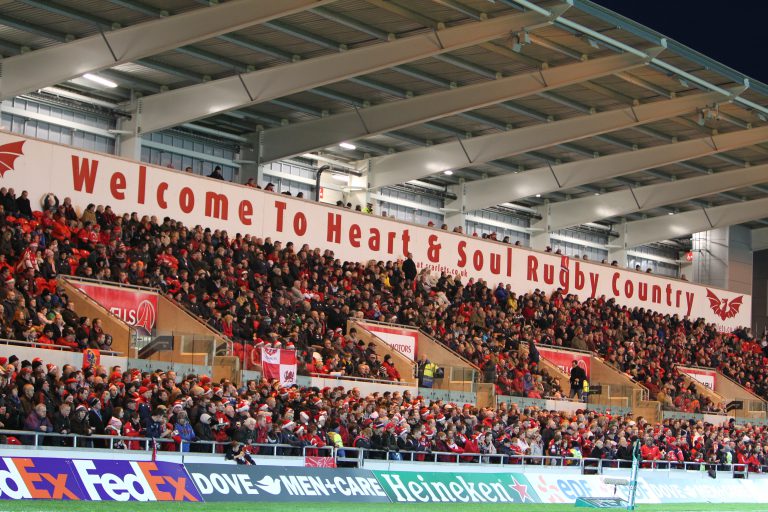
x,y
45,479
134,481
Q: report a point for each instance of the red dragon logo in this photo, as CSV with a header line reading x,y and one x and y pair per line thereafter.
x,y
8,155
722,307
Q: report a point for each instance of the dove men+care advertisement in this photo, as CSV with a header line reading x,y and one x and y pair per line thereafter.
x,y
224,482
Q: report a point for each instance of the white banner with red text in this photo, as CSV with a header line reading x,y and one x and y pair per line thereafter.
x,y
707,377
402,340
87,177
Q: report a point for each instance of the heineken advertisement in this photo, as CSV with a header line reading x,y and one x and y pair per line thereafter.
x,y
414,487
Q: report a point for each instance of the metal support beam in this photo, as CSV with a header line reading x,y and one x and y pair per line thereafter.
x,y
190,103
759,239
623,202
55,64
645,231
544,180
302,137
454,155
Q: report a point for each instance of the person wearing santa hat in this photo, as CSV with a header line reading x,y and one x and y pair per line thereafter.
x,y
115,428
313,438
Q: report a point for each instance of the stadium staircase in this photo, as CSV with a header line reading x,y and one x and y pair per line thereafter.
x,y
460,375
182,341
405,366
619,389
751,405
123,335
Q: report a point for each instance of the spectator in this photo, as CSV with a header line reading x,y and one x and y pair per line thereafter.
x,y
216,174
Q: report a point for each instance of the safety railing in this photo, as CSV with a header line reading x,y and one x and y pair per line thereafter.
x,y
360,456
130,443
72,279
47,346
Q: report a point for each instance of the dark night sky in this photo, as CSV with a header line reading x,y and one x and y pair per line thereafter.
x,y
733,32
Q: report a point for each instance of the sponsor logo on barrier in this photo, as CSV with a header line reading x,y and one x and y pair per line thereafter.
x,y
450,488
134,481
218,482
45,479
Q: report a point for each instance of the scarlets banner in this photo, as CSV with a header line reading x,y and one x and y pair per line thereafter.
x,y
94,480
137,308
86,177
564,359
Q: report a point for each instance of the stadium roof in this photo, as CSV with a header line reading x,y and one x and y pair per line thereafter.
x,y
519,101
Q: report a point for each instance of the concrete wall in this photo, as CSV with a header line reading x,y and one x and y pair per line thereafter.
x,y
760,291
740,259
723,257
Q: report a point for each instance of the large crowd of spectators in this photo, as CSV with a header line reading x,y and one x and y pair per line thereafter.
x,y
265,292
193,413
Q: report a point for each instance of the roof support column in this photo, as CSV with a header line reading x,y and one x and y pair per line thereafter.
x,y
455,215
128,138
540,238
250,163
617,249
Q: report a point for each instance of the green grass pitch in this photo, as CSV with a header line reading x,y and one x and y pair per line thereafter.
x,y
55,506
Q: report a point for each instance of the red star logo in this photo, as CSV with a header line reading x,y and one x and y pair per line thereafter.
x,y
521,490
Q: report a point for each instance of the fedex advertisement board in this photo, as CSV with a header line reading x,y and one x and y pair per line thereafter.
x,y
137,308
86,177
94,480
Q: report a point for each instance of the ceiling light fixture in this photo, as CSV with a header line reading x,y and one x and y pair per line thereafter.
x,y
347,145
100,80
448,173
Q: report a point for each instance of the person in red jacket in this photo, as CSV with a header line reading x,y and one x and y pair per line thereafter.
x,y
389,366
650,451
132,428
470,446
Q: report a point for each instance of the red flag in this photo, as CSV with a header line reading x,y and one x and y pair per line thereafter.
x,y
319,462
279,364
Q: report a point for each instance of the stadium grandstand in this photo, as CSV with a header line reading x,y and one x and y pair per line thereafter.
x,y
377,251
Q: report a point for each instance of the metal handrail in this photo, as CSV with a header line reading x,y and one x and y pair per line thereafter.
x,y
360,455
148,441
72,278
33,344
359,379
